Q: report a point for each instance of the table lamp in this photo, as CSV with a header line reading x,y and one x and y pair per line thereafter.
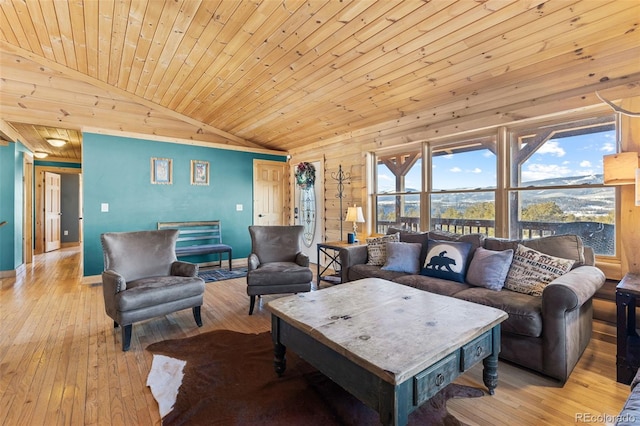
x,y
354,214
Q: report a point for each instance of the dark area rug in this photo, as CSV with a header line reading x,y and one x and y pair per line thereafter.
x,y
229,380
210,275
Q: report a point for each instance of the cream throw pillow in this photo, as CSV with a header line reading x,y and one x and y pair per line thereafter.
x,y
532,270
377,248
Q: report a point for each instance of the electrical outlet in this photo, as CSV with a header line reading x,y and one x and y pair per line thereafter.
x,y
65,232
104,207
239,207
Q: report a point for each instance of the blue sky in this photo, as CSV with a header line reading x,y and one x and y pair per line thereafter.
x,y
564,157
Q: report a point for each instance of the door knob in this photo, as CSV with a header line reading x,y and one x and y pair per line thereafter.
x,y
260,215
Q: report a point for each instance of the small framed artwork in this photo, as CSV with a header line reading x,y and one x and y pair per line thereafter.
x,y
161,171
199,172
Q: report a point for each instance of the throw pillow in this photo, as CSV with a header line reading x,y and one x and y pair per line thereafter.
x,y
531,271
447,260
476,240
403,257
413,237
377,248
489,268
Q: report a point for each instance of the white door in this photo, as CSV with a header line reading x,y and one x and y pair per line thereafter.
x,y
52,211
268,192
309,212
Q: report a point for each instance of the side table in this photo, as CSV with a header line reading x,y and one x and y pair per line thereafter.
x,y
331,249
628,341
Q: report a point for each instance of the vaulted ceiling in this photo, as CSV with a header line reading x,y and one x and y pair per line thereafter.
x,y
282,74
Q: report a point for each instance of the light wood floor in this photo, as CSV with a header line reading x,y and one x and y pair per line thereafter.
x,y
61,360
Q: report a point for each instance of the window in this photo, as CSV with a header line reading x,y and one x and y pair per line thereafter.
x,y
462,195
398,188
552,184
557,183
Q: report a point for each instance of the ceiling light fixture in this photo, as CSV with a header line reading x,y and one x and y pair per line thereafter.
x,y
40,154
56,142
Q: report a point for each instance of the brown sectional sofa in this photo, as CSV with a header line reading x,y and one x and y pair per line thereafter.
x,y
545,333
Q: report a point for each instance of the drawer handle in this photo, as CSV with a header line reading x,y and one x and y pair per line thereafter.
x,y
439,379
478,350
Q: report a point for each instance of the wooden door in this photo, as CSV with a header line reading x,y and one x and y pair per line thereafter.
x,y
52,211
269,192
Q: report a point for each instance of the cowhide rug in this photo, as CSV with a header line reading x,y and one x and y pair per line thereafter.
x,y
229,380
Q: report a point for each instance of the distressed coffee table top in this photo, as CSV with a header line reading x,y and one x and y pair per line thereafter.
x,y
392,330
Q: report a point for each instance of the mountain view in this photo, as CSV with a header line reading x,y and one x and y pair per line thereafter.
x,y
575,202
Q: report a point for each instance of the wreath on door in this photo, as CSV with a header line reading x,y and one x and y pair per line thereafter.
x,y
305,175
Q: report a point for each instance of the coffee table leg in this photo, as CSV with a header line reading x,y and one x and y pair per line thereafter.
x,y
490,371
279,350
279,360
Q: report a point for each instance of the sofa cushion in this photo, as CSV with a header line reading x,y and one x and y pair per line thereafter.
x,y
447,260
564,246
525,312
432,284
532,270
403,257
489,268
377,248
362,270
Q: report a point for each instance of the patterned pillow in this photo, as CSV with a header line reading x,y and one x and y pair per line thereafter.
x,y
489,268
377,248
446,260
532,270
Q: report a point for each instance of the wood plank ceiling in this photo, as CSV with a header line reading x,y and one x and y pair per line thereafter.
x,y
282,74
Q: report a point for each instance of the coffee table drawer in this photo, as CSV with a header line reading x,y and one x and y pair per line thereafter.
x,y
435,378
476,351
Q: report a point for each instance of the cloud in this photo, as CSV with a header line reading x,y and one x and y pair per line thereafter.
x,y
553,148
545,171
455,170
585,163
608,147
476,170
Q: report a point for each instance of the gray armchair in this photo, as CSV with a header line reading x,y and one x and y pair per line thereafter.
x,y
143,279
276,264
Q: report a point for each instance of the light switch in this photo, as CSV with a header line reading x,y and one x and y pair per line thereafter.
x,y
104,207
239,207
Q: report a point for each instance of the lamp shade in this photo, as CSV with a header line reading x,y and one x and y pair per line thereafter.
x,y
620,169
354,214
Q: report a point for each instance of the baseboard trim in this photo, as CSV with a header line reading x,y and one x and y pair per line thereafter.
x,y
91,279
14,272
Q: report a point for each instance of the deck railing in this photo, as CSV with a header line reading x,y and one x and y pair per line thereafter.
x,y
598,235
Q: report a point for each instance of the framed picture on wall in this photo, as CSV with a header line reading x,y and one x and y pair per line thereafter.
x,y
199,172
161,171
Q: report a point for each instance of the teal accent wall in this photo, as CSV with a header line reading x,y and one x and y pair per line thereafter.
x,y
11,205
117,171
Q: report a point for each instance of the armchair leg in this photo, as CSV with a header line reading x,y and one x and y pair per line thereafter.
x,y
252,304
197,316
126,337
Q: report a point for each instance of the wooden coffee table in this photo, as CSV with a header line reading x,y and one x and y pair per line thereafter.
x,y
391,346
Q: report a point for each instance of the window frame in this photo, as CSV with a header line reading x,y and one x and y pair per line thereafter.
x,y
503,137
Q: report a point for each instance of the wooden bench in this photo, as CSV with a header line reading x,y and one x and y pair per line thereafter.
x,y
199,238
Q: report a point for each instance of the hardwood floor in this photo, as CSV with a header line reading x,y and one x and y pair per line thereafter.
x,y
61,360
